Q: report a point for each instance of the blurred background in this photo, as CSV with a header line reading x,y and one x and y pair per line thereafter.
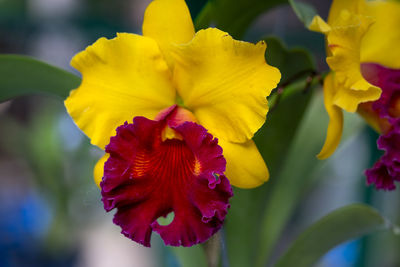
x,y
50,208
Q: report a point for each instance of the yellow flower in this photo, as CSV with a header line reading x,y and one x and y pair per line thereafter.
x,y
174,84
357,31
222,82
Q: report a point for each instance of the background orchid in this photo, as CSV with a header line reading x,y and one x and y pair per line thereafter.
x,y
184,85
364,77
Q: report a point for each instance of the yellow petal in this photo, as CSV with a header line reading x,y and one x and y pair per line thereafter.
x,y
319,25
168,22
381,42
335,126
98,170
344,41
350,98
121,78
245,167
225,83
353,6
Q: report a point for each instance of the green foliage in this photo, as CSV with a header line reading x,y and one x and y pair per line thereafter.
x,y
233,18
293,63
338,226
193,256
288,105
12,9
303,11
292,177
273,140
22,75
44,154
297,174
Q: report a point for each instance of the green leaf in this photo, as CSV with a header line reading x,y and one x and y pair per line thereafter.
x,y
273,140
303,11
341,225
22,75
233,18
296,65
294,175
297,173
190,256
242,225
205,254
246,215
293,63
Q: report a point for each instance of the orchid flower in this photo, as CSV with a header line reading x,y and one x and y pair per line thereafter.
x,y
362,46
175,112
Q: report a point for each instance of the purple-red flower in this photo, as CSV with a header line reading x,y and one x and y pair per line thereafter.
x,y
386,118
149,175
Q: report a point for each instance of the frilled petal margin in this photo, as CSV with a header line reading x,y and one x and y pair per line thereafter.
x,y
121,78
146,178
379,175
387,169
225,83
344,42
390,143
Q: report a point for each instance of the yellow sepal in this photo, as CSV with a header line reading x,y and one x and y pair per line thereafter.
x,y
168,22
335,127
